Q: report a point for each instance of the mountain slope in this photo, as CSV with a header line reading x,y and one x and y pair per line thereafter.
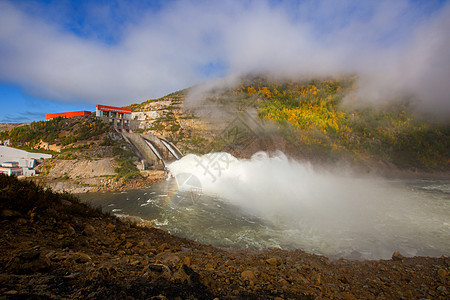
x,y
313,116
308,119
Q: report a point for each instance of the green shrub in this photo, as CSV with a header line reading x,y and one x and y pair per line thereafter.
x,y
59,130
311,115
126,169
32,200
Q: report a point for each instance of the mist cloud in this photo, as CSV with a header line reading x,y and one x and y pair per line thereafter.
x,y
398,48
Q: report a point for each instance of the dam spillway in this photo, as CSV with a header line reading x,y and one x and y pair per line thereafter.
x,y
173,150
155,151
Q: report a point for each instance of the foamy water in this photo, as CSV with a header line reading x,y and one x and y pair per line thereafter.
x,y
277,202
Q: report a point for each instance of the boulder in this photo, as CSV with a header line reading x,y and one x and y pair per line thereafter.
x,y
187,275
248,275
397,256
274,261
81,257
110,227
89,230
167,258
155,271
28,262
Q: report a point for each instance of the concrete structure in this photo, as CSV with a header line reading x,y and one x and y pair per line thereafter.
x,y
67,114
26,161
11,168
117,116
145,115
146,154
24,158
28,172
155,152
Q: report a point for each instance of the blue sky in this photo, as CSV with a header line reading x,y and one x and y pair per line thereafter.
x,y
63,55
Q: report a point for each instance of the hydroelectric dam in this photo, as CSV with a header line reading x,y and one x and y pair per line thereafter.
x,y
155,152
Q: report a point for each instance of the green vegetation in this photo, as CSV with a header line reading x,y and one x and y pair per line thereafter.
x,y
311,115
77,148
139,130
137,106
107,141
30,199
126,169
168,110
195,144
157,125
62,131
69,156
167,122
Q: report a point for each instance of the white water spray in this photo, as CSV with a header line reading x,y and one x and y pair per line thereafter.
x,y
150,144
171,149
329,212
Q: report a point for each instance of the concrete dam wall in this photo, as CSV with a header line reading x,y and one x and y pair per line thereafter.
x,y
156,152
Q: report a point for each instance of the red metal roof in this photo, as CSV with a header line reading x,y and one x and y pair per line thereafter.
x,y
67,114
113,109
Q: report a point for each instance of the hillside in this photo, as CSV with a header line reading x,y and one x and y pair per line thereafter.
x,y
10,126
88,155
169,117
308,119
313,117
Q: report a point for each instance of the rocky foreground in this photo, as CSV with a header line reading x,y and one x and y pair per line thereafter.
x,y
54,247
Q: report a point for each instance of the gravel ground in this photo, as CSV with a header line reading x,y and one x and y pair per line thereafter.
x,y
63,249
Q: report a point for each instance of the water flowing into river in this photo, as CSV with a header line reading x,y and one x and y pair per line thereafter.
x,y
278,202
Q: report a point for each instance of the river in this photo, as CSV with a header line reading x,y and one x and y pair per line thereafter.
x,y
419,226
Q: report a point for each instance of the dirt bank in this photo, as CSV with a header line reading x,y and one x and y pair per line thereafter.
x,y
54,247
84,175
101,183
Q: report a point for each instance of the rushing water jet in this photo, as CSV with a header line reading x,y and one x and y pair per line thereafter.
x,y
364,214
274,201
177,154
155,151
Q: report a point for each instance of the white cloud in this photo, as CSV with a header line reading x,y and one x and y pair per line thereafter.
x,y
393,45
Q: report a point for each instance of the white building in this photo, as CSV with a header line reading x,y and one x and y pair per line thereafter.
x,y
26,161
11,168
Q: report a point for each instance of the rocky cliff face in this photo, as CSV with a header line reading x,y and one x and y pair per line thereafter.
x,y
83,168
81,175
168,117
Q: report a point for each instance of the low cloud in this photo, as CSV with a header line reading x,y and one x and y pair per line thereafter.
x,y
398,48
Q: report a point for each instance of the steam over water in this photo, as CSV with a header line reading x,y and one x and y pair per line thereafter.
x,y
277,202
